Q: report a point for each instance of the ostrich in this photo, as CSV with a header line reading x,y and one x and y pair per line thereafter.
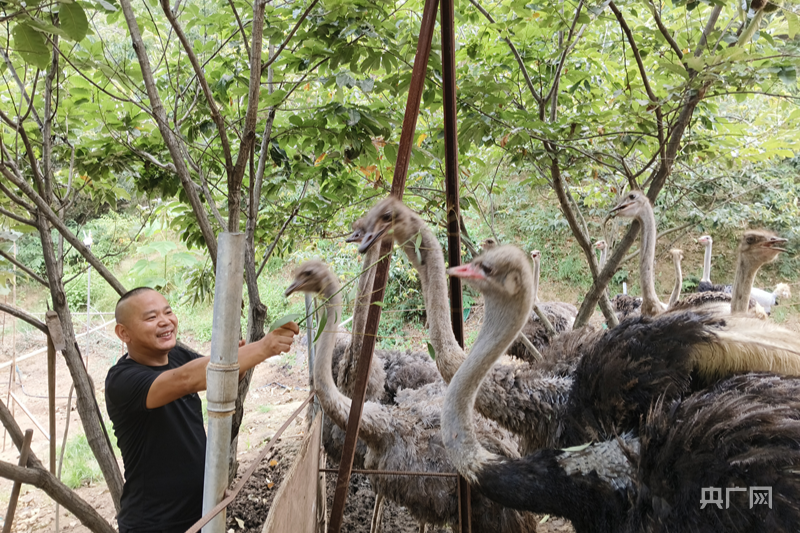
x,y
765,298
623,304
530,400
744,431
677,257
488,244
405,435
560,315
705,284
637,205
756,249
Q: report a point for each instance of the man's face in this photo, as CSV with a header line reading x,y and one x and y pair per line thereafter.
x,y
148,325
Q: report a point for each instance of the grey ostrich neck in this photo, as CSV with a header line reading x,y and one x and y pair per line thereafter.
x,y
537,266
746,271
676,290
707,263
335,404
502,323
360,311
603,255
430,265
651,305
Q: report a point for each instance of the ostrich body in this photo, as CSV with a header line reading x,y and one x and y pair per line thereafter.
x,y
561,316
744,431
405,435
532,400
769,299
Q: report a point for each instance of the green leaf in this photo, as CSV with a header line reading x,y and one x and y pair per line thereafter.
x,y
431,351
31,46
46,27
794,23
73,20
321,327
283,320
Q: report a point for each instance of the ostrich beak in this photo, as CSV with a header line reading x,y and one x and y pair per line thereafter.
x,y
466,271
356,236
293,288
369,239
773,241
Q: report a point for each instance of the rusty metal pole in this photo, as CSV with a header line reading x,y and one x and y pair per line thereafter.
x,y
382,268
447,23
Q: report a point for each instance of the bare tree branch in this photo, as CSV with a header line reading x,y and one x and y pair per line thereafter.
x,y
22,315
11,259
277,53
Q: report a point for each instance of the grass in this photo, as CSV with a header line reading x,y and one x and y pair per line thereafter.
x,y
80,467
264,409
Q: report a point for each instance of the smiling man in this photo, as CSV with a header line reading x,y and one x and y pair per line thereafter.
x,y
151,396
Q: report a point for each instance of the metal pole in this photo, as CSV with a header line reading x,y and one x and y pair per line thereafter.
x,y
447,23
223,371
382,269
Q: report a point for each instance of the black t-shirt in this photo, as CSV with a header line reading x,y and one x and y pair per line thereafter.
x,y
163,449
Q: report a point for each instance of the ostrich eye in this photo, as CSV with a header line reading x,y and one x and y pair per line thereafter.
x,y
387,216
486,269
632,196
750,240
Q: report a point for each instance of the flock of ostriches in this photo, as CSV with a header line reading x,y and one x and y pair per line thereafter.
x,y
640,427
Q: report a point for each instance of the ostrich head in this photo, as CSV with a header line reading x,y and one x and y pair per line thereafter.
x,y
535,254
313,276
388,217
600,245
502,274
705,240
488,244
759,247
358,232
632,206
677,255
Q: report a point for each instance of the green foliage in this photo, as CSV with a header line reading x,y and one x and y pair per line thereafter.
x,y
80,467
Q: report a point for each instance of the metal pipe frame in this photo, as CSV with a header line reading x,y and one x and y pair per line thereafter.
x,y
222,376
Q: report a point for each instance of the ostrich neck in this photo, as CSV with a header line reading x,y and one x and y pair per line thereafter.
x,y
651,305
430,265
676,291
502,324
335,404
743,285
707,264
361,305
603,254
537,265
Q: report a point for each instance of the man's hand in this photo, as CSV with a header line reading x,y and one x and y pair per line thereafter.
x,y
280,340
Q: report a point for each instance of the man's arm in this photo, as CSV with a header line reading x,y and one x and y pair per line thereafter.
x,y
191,377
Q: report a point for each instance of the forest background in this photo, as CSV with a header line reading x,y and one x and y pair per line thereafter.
x,y
154,126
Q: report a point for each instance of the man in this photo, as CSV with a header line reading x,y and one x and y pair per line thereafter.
x,y
151,396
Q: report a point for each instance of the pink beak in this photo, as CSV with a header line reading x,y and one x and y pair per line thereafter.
x,y
466,271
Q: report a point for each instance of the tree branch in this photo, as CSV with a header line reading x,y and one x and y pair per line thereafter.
x,y
664,31
288,37
22,315
168,135
11,259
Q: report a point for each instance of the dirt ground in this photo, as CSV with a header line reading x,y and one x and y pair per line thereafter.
x,y
278,388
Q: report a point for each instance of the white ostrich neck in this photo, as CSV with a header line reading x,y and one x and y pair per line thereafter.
x,y
537,265
707,263
676,291
651,305
603,255
335,404
742,285
449,355
502,324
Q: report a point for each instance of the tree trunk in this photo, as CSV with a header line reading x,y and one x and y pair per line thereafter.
x,y
86,401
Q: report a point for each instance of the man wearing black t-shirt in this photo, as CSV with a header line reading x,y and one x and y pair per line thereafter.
x,y
151,396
